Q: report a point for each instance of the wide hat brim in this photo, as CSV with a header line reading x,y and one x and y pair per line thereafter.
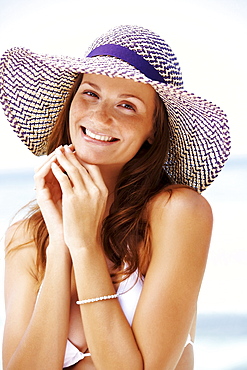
x,y
33,89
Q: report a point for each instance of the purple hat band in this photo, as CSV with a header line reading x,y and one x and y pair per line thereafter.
x,y
130,57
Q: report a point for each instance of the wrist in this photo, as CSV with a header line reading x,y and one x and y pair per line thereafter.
x,y
57,249
91,250
85,245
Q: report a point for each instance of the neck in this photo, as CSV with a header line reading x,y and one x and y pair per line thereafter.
x,y
110,176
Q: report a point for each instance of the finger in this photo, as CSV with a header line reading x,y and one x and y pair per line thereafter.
x,y
72,148
70,154
39,177
44,174
95,175
51,157
48,159
62,178
92,170
92,174
76,172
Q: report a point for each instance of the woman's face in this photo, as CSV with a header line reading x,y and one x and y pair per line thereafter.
x,y
110,118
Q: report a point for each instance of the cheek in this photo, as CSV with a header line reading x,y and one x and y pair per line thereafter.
x,y
73,119
147,131
70,123
75,114
138,139
142,132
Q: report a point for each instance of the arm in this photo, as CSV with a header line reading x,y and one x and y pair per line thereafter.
x,y
36,331
180,237
109,337
180,234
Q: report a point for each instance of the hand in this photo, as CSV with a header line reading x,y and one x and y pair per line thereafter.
x,y
49,198
84,197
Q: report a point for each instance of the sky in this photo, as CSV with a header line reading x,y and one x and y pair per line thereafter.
x,y
207,36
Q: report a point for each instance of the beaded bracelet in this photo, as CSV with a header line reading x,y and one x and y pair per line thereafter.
x,y
103,298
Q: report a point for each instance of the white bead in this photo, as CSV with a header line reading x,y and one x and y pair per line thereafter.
x,y
91,300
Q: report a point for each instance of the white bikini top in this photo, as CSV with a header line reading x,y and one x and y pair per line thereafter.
x,y
131,287
128,301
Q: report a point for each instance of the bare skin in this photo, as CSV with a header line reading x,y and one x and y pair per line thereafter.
x,y
73,207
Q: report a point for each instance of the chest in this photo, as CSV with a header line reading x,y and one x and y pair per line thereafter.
x,y
76,331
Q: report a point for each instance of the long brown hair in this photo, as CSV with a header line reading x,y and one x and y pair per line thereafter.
x,y
125,230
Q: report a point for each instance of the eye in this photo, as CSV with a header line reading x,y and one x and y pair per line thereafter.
x,y
90,94
128,106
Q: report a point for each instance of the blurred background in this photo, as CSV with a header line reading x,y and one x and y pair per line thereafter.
x,y
209,40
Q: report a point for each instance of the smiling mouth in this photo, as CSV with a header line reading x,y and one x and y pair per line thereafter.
x,y
98,137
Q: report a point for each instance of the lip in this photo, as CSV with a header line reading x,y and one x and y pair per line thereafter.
x,y
95,140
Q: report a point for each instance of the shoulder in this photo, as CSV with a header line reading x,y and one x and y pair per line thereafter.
x,y
178,200
181,218
20,248
18,234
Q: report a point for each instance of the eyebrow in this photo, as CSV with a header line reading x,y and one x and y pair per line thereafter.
x,y
121,96
131,96
91,84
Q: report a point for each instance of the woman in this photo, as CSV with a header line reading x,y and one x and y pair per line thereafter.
x,y
105,272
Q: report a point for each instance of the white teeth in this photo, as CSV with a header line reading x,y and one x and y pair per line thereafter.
x,y
98,137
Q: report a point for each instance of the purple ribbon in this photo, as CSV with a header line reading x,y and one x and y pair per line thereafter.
x,y
130,57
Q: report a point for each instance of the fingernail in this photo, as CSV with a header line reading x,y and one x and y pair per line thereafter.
x,y
67,149
58,150
72,148
54,165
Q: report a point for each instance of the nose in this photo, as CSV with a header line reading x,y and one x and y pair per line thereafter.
x,y
102,114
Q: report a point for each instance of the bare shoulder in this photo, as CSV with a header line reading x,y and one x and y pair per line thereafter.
x,y
180,201
180,219
20,247
18,234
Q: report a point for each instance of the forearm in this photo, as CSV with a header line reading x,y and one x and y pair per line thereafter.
x,y
43,343
85,196
109,336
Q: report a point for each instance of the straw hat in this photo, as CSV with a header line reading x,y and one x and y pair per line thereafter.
x,y
33,89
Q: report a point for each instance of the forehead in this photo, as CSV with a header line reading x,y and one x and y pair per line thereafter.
x,y
118,84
